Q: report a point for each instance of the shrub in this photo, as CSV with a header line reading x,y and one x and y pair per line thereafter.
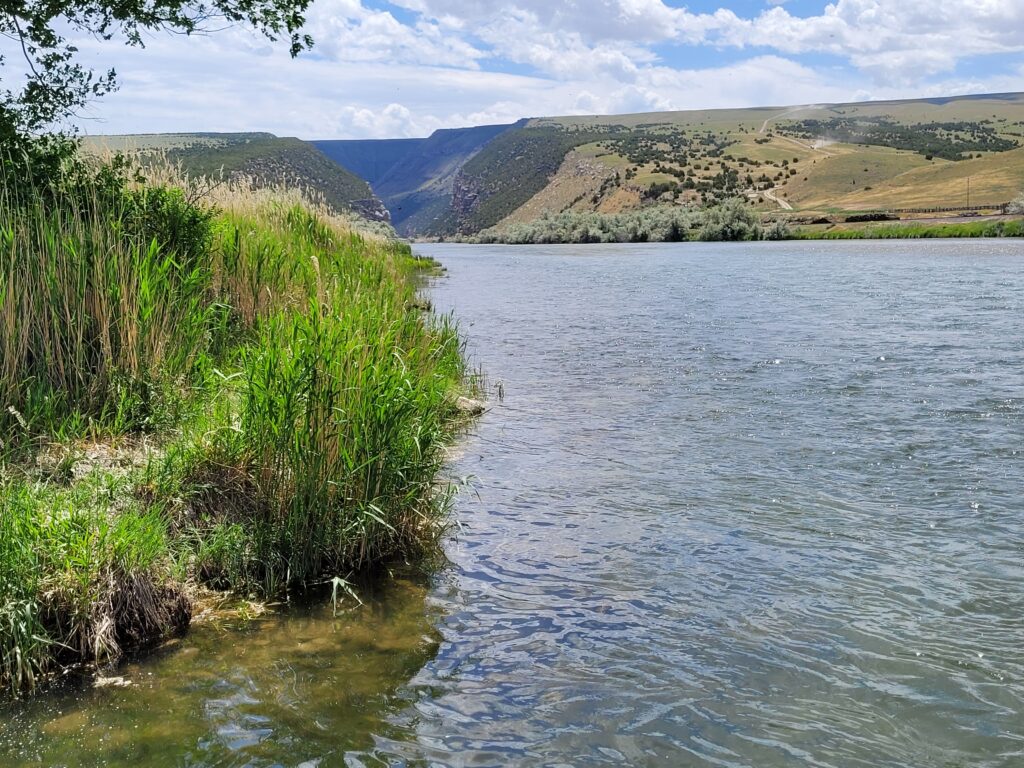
x,y
732,220
777,229
656,224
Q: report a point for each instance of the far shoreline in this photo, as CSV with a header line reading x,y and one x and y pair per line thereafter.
x,y
993,227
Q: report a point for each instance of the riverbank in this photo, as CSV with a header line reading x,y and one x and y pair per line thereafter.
x,y
241,394
912,230
731,221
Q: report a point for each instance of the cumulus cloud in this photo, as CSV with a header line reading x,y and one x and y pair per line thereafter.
x,y
347,31
642,21
406,67
889,39
884,38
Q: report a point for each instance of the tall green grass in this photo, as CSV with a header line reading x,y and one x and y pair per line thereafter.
x,y
85,573
344,399
296,397
103,305
1011,228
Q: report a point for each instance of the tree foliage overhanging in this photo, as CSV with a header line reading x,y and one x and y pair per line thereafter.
x,y
57,84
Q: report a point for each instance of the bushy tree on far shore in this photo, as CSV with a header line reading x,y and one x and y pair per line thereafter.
x,y
656,224
731,220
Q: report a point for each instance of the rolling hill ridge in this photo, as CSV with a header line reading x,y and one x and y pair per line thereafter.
x,y
798,161
261,157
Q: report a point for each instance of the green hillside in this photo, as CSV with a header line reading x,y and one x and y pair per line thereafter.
x,y
802,162
262,157
810,160
508,172
818,157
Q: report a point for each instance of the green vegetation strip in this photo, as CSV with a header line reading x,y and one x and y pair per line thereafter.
x,y
732,220
1007,228
243,397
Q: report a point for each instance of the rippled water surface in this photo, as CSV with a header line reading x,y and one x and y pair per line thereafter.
x,y
739,506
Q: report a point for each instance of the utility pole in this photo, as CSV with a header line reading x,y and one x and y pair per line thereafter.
x,y
968,191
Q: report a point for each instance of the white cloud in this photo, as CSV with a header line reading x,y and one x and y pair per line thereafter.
x,y
640,21
346,31
899,40
884,38
441,63
562,54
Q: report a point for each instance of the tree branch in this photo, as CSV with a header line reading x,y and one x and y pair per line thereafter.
x,y
24,49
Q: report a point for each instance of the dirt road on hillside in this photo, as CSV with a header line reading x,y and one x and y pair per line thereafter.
x,y
769,195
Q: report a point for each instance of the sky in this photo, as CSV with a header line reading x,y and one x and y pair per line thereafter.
x,y
408,67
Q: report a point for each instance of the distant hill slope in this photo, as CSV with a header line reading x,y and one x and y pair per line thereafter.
x,y
506,173
265,158
370,159
817,158
414,177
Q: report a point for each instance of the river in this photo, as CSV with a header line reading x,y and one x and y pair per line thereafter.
x,y
732,505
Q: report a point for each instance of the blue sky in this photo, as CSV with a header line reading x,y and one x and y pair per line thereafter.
x,y
408,67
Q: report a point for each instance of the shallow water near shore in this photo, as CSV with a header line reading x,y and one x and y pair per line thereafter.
x,y
740,505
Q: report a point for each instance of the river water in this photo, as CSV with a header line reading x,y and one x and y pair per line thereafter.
x,y
732,505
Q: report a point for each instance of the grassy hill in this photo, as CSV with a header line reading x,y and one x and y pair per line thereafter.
x,y
262,157
985,180
849,157
812,159
803,161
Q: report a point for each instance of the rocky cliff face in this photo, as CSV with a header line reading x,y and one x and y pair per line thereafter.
x,y
466,192
372,209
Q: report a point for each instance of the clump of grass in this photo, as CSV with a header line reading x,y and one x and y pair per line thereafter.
x,y
344,400
298,395
24,645
102,307
80,579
